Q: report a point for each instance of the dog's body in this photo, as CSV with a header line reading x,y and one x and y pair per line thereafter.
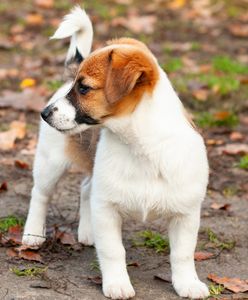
x,y
146,161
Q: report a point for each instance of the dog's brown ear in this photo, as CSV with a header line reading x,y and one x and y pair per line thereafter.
x,y
124,72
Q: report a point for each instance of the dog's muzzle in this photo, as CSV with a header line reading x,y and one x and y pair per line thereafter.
x,y
47,113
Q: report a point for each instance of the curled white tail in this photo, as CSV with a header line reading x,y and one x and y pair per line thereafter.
x,y
78,26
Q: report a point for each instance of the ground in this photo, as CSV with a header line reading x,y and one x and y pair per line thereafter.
x,y
203,47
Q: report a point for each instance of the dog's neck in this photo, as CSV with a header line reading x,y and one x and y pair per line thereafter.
x,y
157,117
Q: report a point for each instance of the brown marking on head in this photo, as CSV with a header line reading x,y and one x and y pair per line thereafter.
x,y
118,76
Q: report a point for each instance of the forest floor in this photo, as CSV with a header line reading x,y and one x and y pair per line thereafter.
x,y
203,47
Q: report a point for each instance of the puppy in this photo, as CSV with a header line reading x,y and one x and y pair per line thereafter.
x,y
122,121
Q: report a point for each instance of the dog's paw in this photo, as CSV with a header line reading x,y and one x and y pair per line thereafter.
x,y
118,290
85,236
194,289
32,240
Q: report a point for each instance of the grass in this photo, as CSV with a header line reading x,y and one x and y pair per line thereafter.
x,y
94,265
54,85
228,65
173,65
230,191
215,290
9,221
28,271
243,162
214,239
207,120
151,239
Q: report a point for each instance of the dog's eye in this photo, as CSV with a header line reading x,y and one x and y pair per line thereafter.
x,y
83,89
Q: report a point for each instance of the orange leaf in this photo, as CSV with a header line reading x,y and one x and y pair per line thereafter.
x,y
200,94
177,4
236,136
199,256
30,255
34,19
218,206
240,30
235,285
221,115
44,3
66,238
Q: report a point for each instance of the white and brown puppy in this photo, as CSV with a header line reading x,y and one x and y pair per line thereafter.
x,y
147,160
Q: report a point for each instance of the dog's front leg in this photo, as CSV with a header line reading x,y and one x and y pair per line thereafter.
x,y
183,232
107,223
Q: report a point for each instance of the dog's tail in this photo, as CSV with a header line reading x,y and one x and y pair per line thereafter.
x,y
78,26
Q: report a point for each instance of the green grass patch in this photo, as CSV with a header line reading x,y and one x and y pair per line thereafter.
x,y
28,271
173,65
221,84
54,85
9,221
195,46
215,290
94,265
228,65
217,243
154,240
222,119
243,162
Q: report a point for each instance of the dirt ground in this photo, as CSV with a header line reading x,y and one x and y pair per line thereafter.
x,y
191,34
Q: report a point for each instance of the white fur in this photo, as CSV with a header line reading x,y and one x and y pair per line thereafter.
x,y
78,26
148,164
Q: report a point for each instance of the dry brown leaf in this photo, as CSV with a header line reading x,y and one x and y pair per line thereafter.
x,y
233,149
137,24
218,206
236,136
21,164
28,99
13,236
236,285
3,186
45,3
201,94
8,138
200,256
239,30
34,19
66,238
30,255
212,142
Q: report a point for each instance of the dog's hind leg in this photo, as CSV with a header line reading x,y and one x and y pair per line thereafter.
x,y
49,165
85,235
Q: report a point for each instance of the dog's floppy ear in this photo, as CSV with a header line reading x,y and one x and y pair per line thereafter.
x,y
124,72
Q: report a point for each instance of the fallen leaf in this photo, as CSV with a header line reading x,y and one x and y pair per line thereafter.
x,y
8,138
27,82
236,285
221,115
136,24
3,186
163,277
13,236
177,4
233,149
45,3
34,19
30,255
236,136
11,252
239,30
212,142
201,94
96,279
66,238
218,206
200,256
21,164
28,99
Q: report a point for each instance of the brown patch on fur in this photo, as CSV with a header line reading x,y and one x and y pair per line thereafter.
x,y
81,149
118,78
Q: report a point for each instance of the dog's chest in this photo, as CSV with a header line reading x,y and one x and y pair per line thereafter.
x,y
132,181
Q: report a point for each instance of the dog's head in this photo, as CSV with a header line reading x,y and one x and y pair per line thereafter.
x,y
109,83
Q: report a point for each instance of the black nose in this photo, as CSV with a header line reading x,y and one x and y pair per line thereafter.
x,y
48,112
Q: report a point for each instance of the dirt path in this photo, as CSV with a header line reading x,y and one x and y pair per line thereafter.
x,y
207,61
